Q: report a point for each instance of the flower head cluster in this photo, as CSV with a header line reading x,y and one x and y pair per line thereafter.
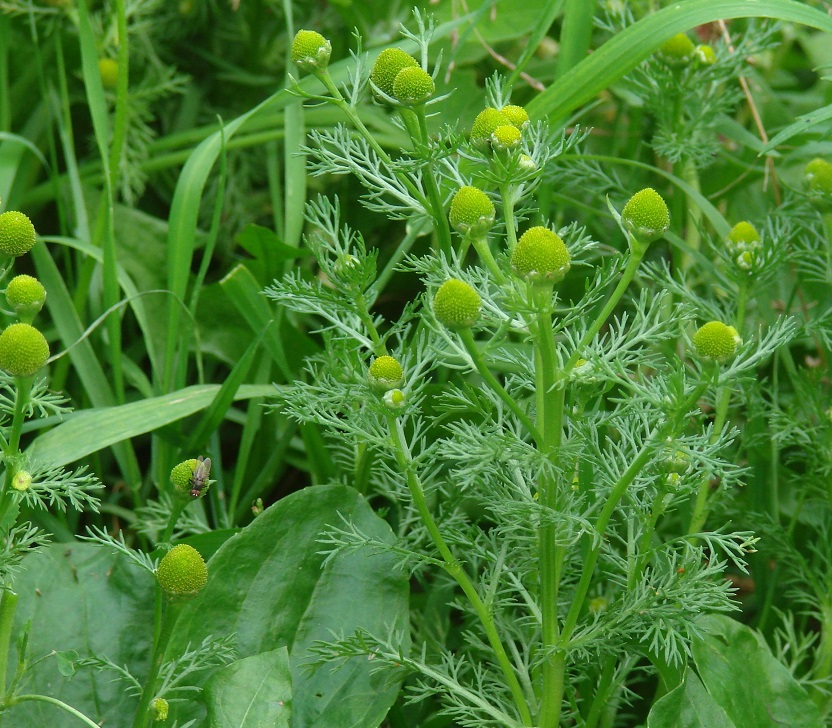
x,y
499,128
398,76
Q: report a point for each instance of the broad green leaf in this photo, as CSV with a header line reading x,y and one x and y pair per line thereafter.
x,y
268,586
91,430
741,674
688,706
625,50
254,691
81,597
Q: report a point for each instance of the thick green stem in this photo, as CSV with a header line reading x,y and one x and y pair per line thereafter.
x,y
467,339
455,569
508,216
480,243
8,602
440,217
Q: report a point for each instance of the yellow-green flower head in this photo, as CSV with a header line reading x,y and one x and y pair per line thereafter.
x,y
742,238
182,571
387,67
704,55
505,137
540,256
819,177
22,481
23,350
395,399
646,216
471,212
413,86
457,305
516,115
310,51
677,51
486,122
26,296
716,341
17,234
108,68
385,373
182,476
159,708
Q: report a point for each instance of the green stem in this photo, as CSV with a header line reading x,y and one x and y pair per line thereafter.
x,y
54,701
176,511
443,229
480,244
823,658
471,347
11,451
168,621
602,693
455,569
508,216
8,602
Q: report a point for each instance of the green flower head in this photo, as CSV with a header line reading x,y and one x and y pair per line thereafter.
x,y
716,341
505,137
704,55
516,115
743,238
457,305
486,123
310,51
182,572
22,481
645,216
413,86
23,350
387,67
26,296
17,234
385,373
540,256
677,51
108,68
818,174
471,211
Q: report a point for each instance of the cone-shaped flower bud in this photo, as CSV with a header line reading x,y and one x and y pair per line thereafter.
x,y
486,122
716,341
26,296
457,305
471,211
17,234
704,55
516,115
646,216
108,68
23,350
742,238
387,67
182,571
677,51
413,86
540,256
505,137
395,399
310,51
182,476
385,373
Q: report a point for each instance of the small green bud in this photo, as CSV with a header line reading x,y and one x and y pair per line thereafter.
x,y
742,238
526,163
17,234
505,137
395,399
597,605
516,115
387,67
310,51
716,341
182,476
23,350
486,122
471,212
818,175
704,55
159,708
108,68
26,296
385,373
182,571
677,51
645,216
22,481
413,86
540,256
457,305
